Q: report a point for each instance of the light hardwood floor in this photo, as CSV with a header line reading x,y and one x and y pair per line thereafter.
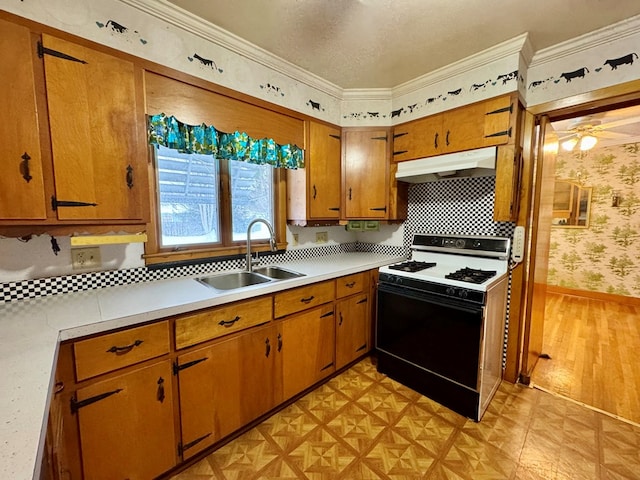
x,y
594,347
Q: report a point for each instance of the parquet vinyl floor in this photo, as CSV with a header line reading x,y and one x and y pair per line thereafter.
x,y
363,425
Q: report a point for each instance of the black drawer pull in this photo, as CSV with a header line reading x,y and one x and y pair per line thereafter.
x,y
228,323
350,284
125,349
307,299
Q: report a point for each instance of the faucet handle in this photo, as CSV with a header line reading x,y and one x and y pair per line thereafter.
x,y
255,261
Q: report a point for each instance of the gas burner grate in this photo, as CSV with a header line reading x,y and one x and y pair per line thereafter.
x,y
412,266
471,275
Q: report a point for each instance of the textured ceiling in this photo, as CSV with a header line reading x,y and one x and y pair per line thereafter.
x,y
385,43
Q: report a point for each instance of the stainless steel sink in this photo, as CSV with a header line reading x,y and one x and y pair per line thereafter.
x,y
229,281
277,273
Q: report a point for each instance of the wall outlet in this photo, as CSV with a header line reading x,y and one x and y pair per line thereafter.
x,y
322,237
85,258
295,239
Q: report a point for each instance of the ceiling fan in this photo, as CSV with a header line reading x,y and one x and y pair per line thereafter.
x,y
585,132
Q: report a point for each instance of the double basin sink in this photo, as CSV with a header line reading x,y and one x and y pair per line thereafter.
x,y
233,280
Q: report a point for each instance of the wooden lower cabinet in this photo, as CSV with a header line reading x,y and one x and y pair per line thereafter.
x,y
352,328
307,346
227,385
126,425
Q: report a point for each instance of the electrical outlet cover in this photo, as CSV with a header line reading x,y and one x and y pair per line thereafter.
x,y
85,258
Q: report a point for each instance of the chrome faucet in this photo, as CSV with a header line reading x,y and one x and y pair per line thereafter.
x,y
272,241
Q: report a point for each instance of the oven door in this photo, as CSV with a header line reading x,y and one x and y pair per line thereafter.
x,y
437,334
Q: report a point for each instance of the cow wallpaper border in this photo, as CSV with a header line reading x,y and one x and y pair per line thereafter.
x,y
605,257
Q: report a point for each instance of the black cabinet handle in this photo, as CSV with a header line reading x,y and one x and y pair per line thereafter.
x,y
160,392
279,342
125,349
315,192
435,140
350,284
129,176
307,299
24,167
446,140
349,193
341,319
334,209
228,323
267,348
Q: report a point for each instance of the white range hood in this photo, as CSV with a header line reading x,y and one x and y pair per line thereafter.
x,y
472,163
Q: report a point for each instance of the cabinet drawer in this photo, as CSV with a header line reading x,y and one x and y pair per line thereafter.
x,y
301,298
216,322
120,349
350,284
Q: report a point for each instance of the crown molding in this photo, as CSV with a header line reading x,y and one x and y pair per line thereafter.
x,y
190,23
480,59
375,94
608,34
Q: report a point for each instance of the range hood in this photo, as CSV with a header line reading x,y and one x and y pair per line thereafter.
x,y
472,163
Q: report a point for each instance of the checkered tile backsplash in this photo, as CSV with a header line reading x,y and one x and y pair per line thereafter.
x,y
14,291
457,206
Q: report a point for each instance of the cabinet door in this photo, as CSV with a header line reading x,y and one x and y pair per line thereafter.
x,y
307,349
463,128
324,171
227,385
94,114
126,425
352,329
365,170
21,182
497,120
418,139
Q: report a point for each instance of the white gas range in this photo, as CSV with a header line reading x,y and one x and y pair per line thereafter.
x,y
441,319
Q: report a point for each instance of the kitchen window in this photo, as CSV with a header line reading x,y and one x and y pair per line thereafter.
x,y
204,205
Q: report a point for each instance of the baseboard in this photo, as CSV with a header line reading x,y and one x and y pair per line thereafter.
x,y
605,297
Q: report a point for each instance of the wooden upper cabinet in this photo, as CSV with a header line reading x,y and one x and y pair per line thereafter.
x,y
97,132
365,171
194,105
314,191
482,124
463,128
21,183
500,116
418,139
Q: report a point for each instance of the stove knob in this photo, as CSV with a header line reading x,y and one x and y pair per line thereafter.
x,y
450,291
460,243
399,280
463,293
477,243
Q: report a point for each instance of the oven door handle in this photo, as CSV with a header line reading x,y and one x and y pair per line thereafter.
x,y
431,298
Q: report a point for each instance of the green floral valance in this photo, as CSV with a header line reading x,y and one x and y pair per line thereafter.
x,y
205,139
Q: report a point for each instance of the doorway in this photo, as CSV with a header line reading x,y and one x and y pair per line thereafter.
x,y
591,333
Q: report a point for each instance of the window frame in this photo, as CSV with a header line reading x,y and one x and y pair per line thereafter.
x,y
155,253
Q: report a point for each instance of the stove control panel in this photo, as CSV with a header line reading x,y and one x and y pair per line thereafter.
x,y
474,296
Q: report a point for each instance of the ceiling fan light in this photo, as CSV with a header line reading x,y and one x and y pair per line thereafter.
x,y
587,142
568,145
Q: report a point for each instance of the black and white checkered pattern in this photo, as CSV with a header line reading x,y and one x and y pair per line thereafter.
x,y
42,287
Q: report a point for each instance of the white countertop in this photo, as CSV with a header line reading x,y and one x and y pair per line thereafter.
x,y
32,329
